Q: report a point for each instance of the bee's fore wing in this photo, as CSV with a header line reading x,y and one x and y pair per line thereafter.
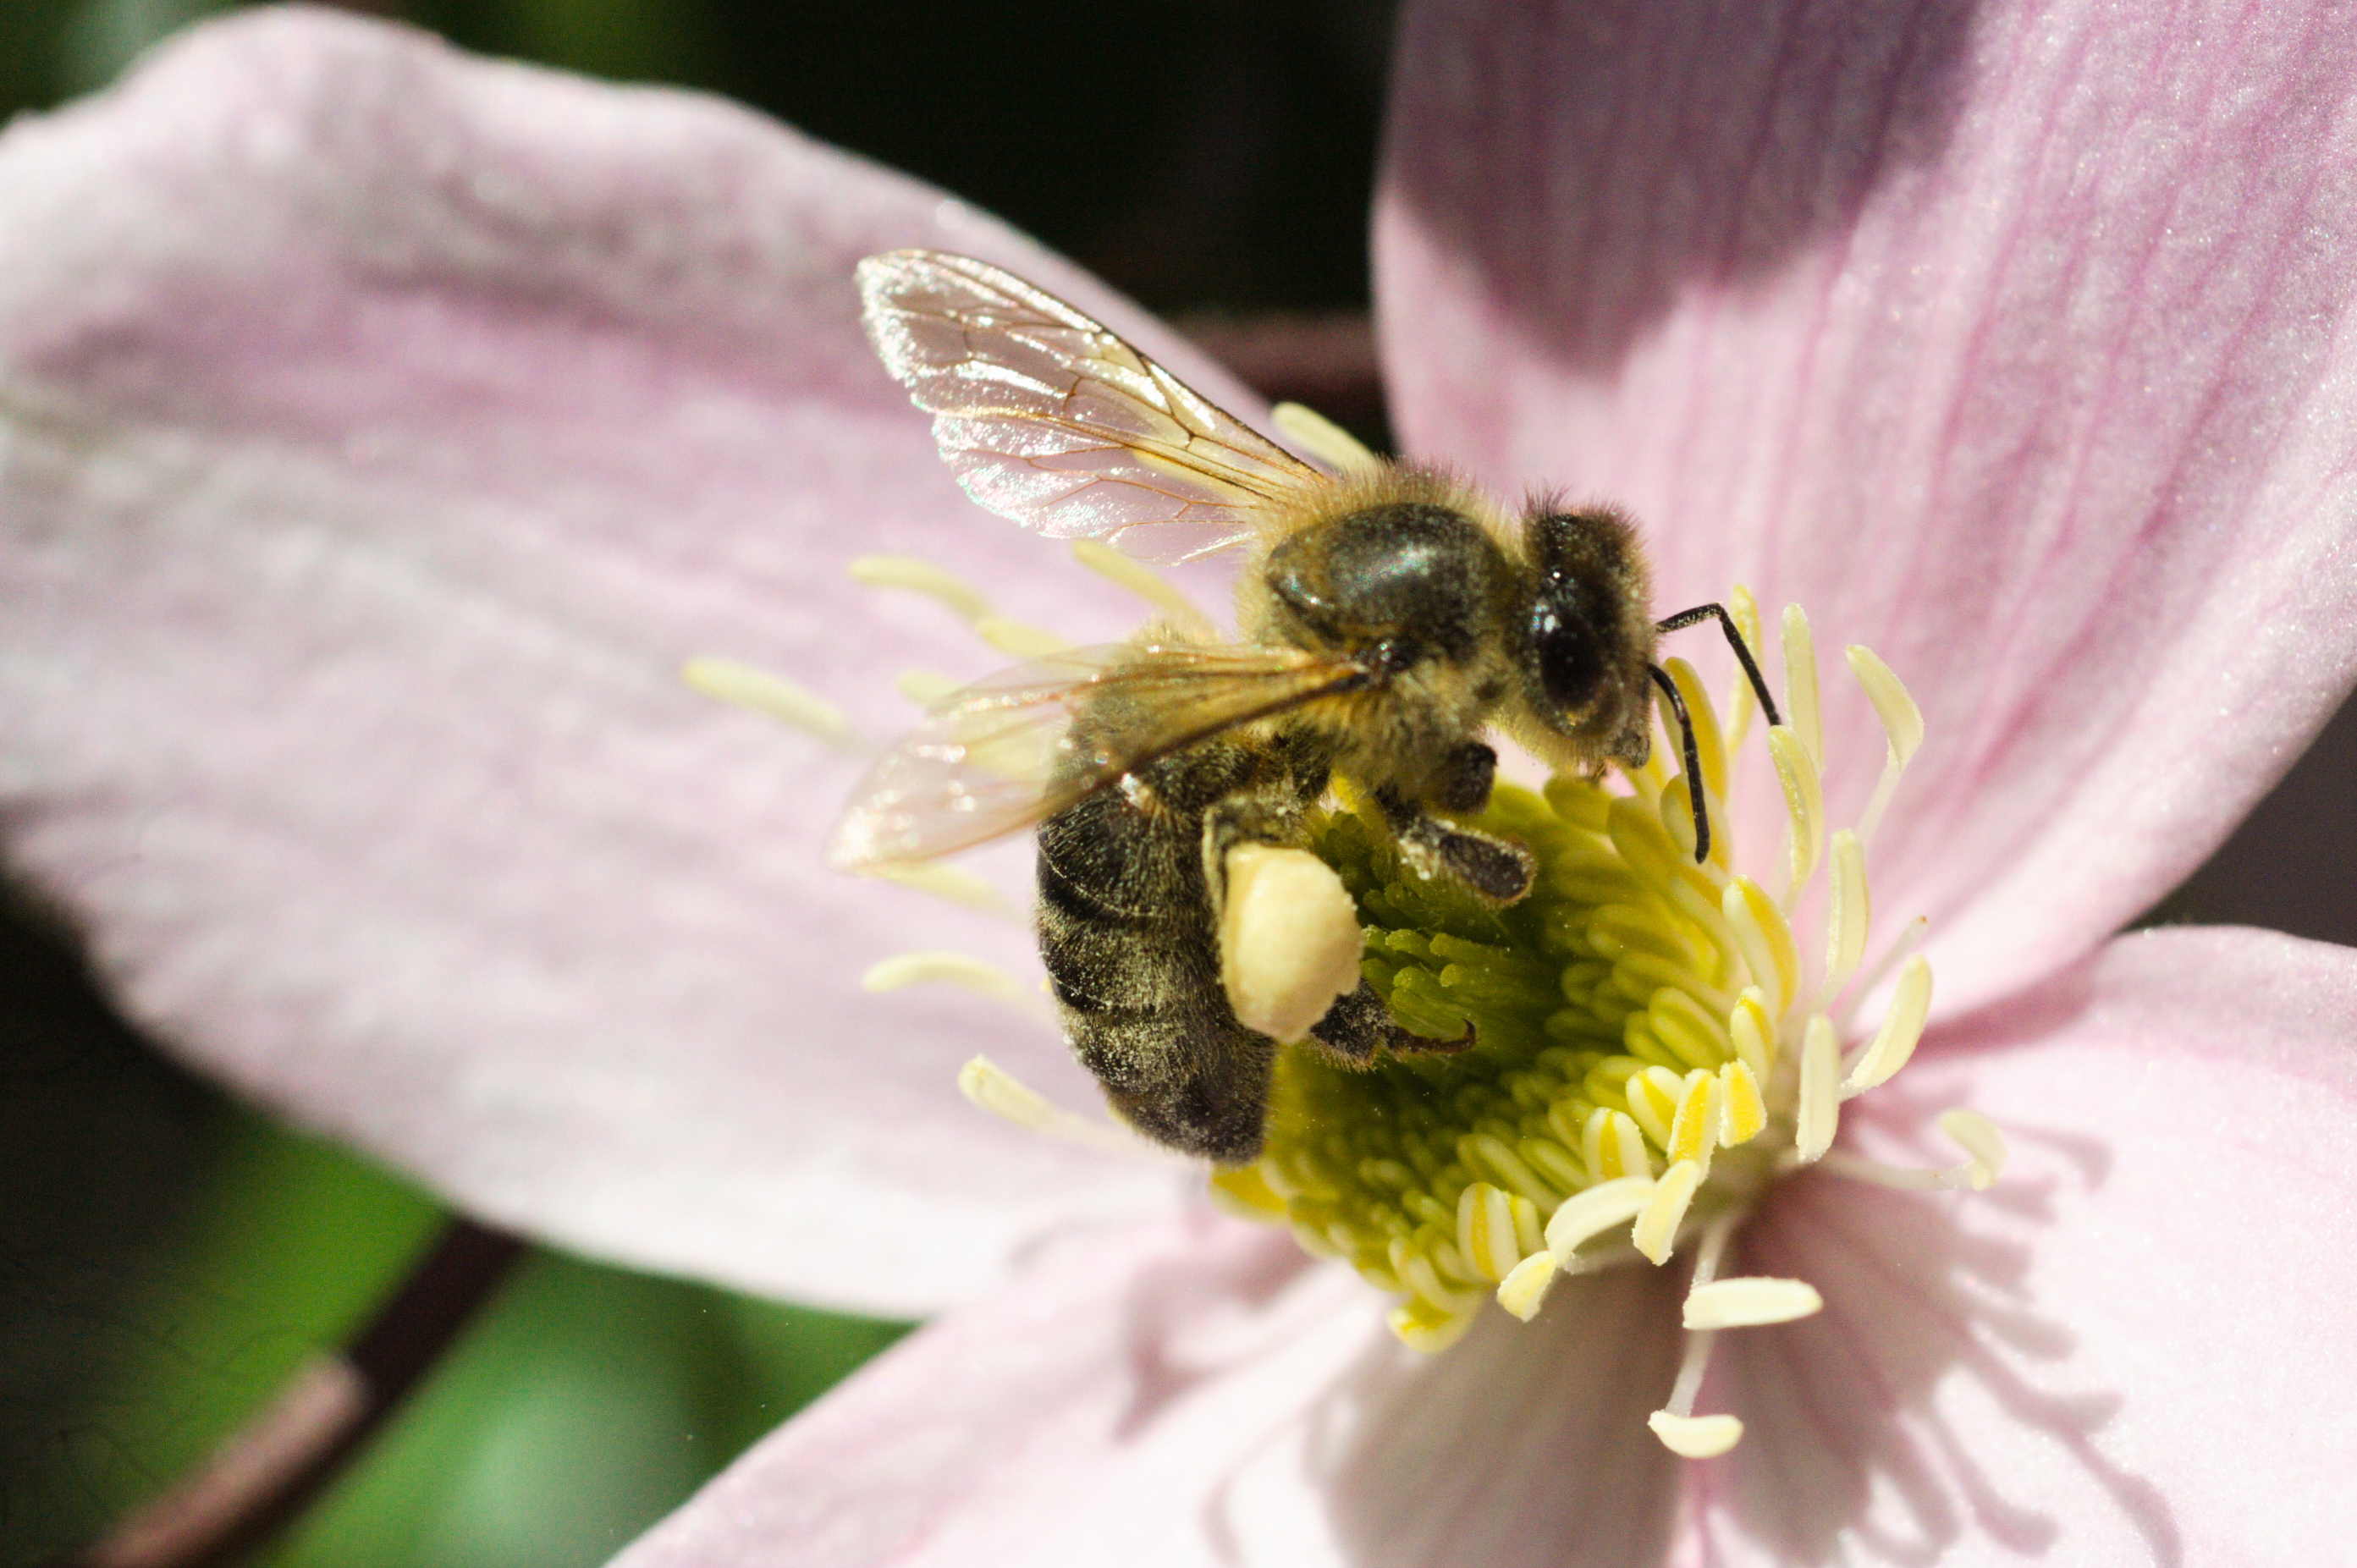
x,y
1048,417
1004,753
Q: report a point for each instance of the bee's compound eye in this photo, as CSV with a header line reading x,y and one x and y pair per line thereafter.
x,y
1570,659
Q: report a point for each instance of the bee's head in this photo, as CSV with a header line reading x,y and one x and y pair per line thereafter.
x,y
1587,634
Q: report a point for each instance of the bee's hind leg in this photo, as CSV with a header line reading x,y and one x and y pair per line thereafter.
x,y
1359,1024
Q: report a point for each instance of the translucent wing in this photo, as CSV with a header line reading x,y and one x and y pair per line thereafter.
x,y
1046,417
1027,742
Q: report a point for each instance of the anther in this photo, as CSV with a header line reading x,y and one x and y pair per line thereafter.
x,y
924,688
771,696
1323,439
1137,577
998,1091
1015,638
1694,1132
1978,1136
919,576
957,969
1902,728
1971,1130
1800,684
1902,947
1695,1436
1766,940
1751,1030
953,882
1749,1303
1524,1289
1589,1213
1903,1025
1804,806
1743,610
1613,1146
1849,914
1656,1230
1743,1110
1819,1111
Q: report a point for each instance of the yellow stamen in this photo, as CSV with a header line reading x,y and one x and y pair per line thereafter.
x,y
1800,684
1744,611
1901,1028
1749,1303
924,688
956,969
1820,1107
1323,439
773,697
1743,1110
1015,638
1656,1230
1902,728
998,1091
953,882
1804,805
1695,1436
1137,577
919,576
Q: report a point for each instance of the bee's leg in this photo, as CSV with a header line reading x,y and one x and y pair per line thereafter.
x,y
1472,769
1492,868
1260,817
1359,1024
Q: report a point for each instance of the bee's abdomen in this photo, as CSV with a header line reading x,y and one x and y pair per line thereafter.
x,y
1126,934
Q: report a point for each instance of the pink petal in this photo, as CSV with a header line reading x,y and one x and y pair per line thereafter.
x,y
1198,1392
383,430
2135,1348
2011,337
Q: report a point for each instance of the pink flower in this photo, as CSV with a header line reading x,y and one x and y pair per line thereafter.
x,y
383,429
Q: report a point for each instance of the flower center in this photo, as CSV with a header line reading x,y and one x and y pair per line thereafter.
x,y
1652,1045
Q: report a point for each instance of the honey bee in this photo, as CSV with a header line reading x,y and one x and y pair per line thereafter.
x,y
1387,617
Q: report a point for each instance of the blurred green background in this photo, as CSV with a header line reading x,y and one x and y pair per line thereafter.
x,y
166,1258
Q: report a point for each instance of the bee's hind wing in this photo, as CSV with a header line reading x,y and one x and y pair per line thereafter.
x,y
1003,754
1048,417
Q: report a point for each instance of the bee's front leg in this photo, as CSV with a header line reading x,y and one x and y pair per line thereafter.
x,y
1492,868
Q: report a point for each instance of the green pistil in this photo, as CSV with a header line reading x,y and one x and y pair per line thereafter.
x,y
1571,993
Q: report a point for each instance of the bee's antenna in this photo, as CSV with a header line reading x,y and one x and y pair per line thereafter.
x,y
1694,788
1701,613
